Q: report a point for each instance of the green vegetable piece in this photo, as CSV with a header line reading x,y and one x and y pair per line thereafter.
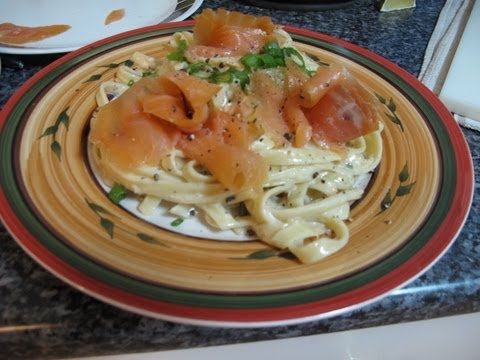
x,y
117,193
176,222
199,67
241,76
273,48
250,61
149,74
229,76
178,54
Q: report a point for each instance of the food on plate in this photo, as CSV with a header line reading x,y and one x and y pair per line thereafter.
x,y
115,15
12,34
238,126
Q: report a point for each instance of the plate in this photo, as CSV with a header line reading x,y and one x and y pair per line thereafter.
x,y
51,202
87,20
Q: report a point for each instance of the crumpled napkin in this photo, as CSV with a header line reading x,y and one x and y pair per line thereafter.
x,y
441,49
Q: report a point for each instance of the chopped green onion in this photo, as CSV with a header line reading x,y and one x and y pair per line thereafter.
x,y
265,60
200,69
295,56
130,82
231,75
176,222
178,54
205,71
149,74
241,77
117,193
273,48
297,59
272,56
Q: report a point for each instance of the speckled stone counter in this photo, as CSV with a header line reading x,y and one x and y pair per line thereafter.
x,y
41,317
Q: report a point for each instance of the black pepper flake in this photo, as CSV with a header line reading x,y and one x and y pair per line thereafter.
x,y
288,136
251,233
156,177
230,198
315,174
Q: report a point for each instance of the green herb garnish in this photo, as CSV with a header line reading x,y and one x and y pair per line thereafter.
x,y
200,69
149,74
212,74
178,54
231,75
176,222
272,56
117,193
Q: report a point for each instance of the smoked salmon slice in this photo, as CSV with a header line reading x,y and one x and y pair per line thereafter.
x,y
225,154
269,96
347,111
114,15
17,34
228,33
126,135
182,101
293,113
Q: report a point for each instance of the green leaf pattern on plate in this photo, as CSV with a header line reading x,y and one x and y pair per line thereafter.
x,y
392,107
109,226
402,190
267,254
62,119
107,67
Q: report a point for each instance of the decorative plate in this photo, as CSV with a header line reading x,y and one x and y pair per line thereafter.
x,y
88,20
51,202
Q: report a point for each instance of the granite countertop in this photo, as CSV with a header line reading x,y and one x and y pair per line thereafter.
x,y
42,317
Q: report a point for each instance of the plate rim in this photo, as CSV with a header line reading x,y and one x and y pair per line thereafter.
x,y
248,317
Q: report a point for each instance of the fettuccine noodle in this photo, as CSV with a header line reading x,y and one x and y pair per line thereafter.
x,y
303,204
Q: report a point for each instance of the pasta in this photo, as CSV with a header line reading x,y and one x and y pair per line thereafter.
x,y
301,203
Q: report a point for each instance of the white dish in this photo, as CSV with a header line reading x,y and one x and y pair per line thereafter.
x,y
453,337
87,20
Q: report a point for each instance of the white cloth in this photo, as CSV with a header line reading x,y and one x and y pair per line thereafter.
x,y
441,49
